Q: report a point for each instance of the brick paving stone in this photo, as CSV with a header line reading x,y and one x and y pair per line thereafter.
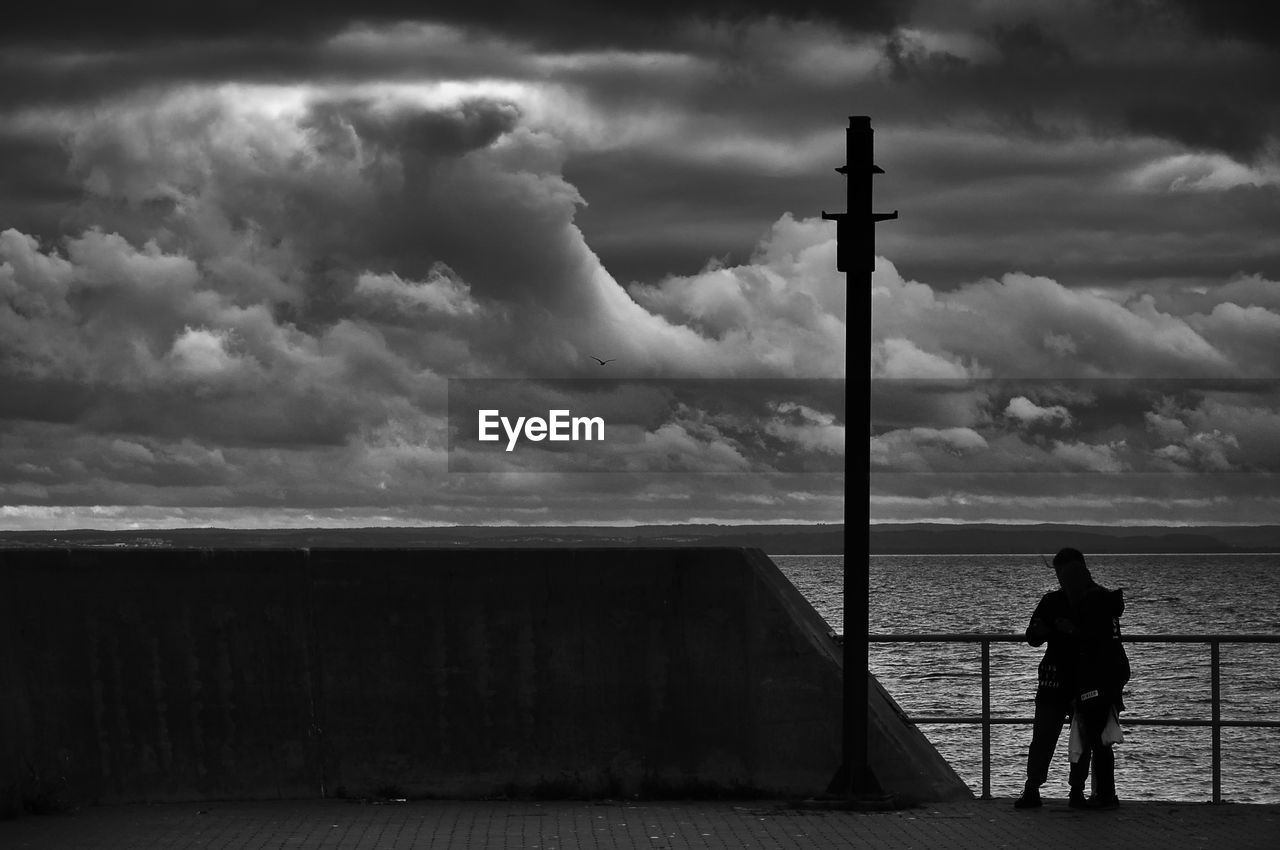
x,y
759,825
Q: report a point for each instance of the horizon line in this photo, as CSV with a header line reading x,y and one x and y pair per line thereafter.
x,y
632,525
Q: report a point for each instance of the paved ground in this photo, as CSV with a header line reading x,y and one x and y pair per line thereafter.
x,y
648,825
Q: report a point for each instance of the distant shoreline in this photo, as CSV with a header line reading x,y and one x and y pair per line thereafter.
x,y
919,539
1045,539
1098,554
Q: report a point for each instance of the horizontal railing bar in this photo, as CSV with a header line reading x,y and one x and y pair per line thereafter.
x,y
1252,724
967,719
1124,721
1004,637
953,638
1201,638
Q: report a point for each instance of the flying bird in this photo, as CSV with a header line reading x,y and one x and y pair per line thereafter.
x,y
602,362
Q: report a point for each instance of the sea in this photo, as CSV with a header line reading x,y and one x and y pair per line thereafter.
x,y
1214,594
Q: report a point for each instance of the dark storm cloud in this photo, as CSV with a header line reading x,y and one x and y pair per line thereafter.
x,y
43,399
1065,98
1152,426
1246,20
1242,128
231,331
650,215
257,297
250,295
35,172
1080,225
973,205
426,133
1182,436
572,23
1027,44
36,187
75,55
343,190
78,75
1124,68
654,211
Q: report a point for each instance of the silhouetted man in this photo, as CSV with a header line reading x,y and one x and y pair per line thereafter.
x,y
1100,669
1055,690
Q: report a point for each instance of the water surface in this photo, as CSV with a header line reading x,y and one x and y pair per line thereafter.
x,y
1164,594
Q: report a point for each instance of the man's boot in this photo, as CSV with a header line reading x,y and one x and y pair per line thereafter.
x,y
1104,771
1030,798
1079,774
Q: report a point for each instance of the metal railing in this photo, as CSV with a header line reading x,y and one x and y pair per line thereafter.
x,y
1215,722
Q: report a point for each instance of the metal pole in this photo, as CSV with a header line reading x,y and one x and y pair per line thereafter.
x,y
1215,700
986,719
855,251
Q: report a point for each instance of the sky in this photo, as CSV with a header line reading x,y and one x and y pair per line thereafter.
x,y
247,249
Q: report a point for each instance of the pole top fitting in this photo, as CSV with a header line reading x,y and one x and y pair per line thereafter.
x,y
859,121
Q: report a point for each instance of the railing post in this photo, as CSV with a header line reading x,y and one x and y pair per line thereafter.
x,y
986,719
1216,707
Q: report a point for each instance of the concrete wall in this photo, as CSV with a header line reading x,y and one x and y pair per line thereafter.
x,y
194,674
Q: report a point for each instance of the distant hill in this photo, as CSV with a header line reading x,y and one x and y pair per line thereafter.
x,y
907,539
773,539
995,539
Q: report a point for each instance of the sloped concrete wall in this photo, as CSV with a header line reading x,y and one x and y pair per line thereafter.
x,y
900,756
194,674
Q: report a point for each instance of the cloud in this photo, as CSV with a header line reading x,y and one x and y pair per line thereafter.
x,y
810,429
979,200
201,353
1090,458
85,53
442,293
1165,423
1247,333
898,358
296,202
1026,412
245,253
780,311
269,291
1039,61
1171,427
686,451
147,342
568,22
925,449
1201,173
1034,326
1232,429
688,143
